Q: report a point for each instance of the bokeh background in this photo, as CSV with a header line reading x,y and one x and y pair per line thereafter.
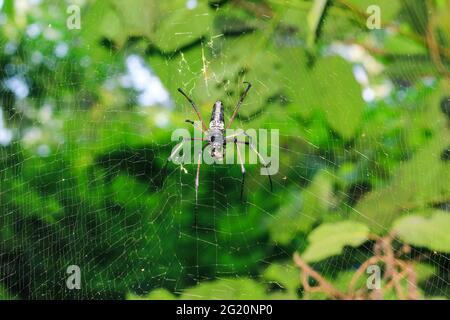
x,y
86,117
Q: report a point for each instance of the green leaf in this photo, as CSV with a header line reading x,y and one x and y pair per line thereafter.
x,y
416,14
315,15
344,278
230,61
317,197
226,289
292,16
157,294
138,17
329,86
421,181
8,8
29,202
117,20
432,233
285,225
179,26
418,182
330,239
340,95
178,71
285,275
388,8
300,84
424,271
402,45
170,25
111,28
410,67
299,214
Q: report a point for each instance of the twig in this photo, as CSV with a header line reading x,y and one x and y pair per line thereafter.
x,y
396,270
433,46
412,283
324,285
391,270
361,270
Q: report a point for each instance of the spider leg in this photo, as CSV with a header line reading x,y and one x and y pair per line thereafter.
x,y
229,138
265,164
193,106
199,162
238,105
194,124
242,167
180,144
175,151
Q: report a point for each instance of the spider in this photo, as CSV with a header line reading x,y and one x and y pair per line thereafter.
x,y
216,139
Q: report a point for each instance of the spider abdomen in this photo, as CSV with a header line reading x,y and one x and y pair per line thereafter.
x,y
216,141
217,117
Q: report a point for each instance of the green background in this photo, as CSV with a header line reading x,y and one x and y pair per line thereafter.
x,y
82,181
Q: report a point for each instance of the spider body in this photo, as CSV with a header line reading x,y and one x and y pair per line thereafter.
x,y
216,139
216,131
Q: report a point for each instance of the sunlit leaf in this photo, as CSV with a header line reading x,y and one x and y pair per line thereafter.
x,y
226,289
330,239
315,15
430,232
341,96
180,25
286,276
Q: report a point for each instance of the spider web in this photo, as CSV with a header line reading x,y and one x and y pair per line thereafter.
x,y
84,143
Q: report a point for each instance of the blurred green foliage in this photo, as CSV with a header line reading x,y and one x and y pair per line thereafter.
x,y
82,180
